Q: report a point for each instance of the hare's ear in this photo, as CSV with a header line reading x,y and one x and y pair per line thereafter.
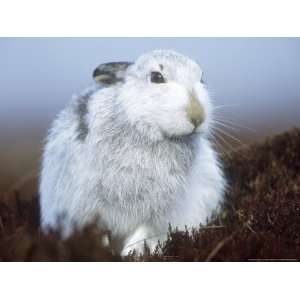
x,y
110,73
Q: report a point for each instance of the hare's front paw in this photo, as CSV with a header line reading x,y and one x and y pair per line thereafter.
x,y
137,241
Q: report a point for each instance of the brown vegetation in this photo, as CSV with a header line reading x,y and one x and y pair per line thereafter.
x,y
260,219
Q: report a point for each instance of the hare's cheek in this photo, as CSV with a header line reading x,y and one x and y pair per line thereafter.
x,y
174,123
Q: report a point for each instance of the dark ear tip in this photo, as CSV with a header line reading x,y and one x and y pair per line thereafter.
x,y
110,73
96,72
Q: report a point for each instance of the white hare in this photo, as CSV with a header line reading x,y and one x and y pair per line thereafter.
x,y
135,151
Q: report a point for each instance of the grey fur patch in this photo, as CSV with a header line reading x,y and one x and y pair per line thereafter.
x,y
82,126
82,111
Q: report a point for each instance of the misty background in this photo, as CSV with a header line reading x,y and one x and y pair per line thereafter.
x,y
256,79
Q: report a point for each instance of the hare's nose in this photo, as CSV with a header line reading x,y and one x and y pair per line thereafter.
x,y
194,110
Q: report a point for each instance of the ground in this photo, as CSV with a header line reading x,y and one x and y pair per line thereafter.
x,y
260,219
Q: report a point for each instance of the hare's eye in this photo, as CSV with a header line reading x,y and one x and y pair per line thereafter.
x,y
157,77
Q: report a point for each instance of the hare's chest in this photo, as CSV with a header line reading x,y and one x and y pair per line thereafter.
x,y
151,178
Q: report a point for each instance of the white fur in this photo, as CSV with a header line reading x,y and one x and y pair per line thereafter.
x,y
142,164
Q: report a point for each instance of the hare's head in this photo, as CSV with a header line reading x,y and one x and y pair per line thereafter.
x,y
161,92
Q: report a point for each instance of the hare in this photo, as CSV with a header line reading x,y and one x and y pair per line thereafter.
x,y
134,150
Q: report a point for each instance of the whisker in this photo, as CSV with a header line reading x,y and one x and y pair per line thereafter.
x,y
229,135
230,122
222,147
230,147
220,123
225,106
215,143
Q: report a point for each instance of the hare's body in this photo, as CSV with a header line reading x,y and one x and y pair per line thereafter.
x,y
98,162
